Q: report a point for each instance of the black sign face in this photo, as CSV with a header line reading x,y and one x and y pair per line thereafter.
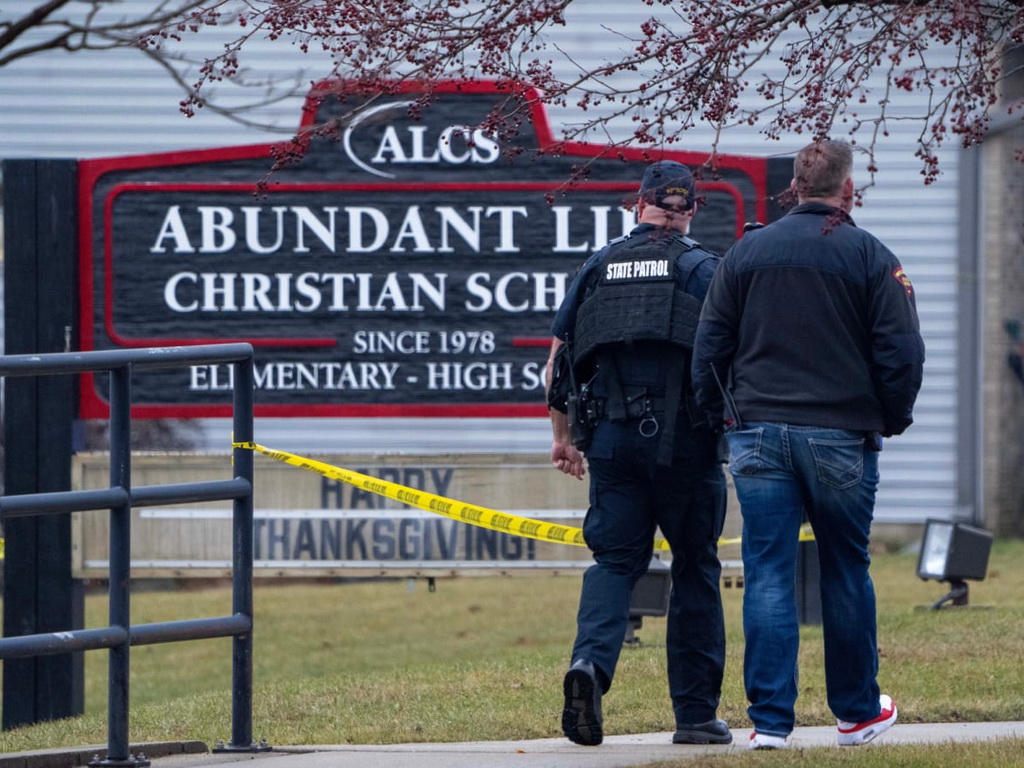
x,y
412,265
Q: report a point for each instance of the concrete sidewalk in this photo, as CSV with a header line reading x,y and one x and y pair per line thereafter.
x,y
616,752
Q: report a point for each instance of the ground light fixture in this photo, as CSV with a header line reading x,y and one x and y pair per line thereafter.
x,y
953,551
650,597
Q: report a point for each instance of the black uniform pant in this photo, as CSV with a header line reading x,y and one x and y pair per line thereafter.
x,y
630,497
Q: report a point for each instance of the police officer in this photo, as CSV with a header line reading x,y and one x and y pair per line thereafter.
x,y
627,326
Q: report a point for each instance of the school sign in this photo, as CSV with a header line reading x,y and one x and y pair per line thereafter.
x,y
410,265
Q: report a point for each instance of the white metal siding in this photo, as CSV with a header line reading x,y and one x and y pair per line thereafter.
x,y
104,104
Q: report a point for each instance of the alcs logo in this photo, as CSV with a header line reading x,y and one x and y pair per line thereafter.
x,y
455,145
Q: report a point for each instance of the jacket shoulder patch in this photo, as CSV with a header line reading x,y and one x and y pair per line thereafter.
x,y
902,279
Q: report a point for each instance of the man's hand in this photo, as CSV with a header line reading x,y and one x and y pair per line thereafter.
x,y
567,459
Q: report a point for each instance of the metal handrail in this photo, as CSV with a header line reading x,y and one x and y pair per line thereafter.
x,y
119,499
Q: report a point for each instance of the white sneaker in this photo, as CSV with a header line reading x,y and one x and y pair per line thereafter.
x,y
854,734
764,741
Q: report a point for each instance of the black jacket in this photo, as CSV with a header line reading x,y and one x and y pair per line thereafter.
x,y
817,323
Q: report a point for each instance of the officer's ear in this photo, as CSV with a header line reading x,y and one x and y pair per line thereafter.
x,y
847,194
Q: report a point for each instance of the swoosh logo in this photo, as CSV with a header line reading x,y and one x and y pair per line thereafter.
x,y
356,122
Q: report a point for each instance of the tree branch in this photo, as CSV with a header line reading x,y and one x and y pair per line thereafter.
x,y
785,66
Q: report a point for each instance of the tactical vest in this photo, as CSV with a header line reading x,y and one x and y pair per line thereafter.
x,y
635,295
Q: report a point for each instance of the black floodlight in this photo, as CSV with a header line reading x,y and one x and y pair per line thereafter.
x,y
650,597
954,551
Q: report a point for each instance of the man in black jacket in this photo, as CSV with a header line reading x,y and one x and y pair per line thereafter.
x,y
812,325
630,314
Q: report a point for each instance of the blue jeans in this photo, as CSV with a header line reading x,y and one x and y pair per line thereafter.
x,y
783,472
630,497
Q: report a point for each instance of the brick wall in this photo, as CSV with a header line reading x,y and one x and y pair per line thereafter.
x,y
1002,302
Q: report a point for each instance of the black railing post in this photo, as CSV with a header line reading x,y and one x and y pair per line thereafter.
x,y
241,708
120,563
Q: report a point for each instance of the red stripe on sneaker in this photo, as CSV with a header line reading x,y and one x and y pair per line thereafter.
x,y
885,714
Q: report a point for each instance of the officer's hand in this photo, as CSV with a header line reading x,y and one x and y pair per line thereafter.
x,y
567,459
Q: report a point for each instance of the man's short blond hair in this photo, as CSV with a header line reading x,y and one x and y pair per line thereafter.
x,y
821,168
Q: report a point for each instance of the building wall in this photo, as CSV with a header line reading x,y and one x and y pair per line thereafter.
x,y
118,103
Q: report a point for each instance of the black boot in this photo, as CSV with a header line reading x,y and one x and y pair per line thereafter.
x,y
581,718
711,732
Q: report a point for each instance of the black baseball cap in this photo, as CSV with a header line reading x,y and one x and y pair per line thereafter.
x,y
665,179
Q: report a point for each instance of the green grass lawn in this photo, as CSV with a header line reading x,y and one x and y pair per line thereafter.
x,y
482,658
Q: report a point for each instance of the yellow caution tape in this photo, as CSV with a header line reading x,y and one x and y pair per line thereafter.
x,y
1,548
456,510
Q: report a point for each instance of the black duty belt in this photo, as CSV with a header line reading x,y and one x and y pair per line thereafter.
x,y
636,409
645,405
